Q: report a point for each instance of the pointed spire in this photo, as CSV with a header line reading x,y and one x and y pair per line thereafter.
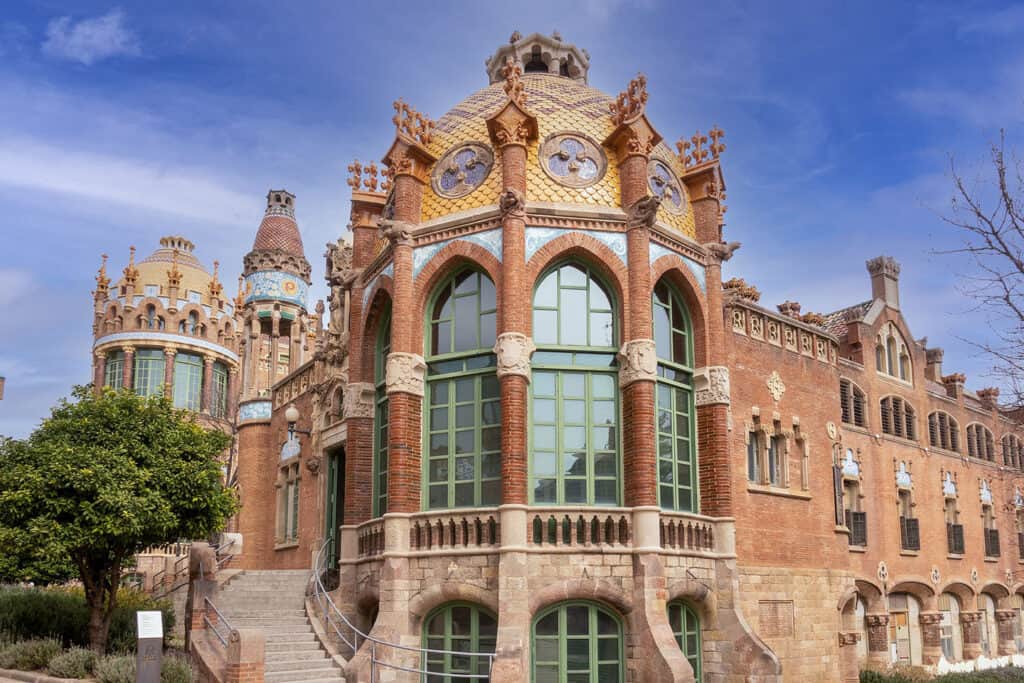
x,y
131,273
216,288
240,297
102,281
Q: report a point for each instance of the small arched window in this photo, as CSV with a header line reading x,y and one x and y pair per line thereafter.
x,y
852,403
1012,451
151,319
685,624
980,442
453,630
898,418
193,323
578,641
943,431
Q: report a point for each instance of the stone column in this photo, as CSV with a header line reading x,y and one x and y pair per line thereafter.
x,y
295,349
878,641
245,657
233,391
931,638
99,374
128,371
207,389
275,342
253,357
970,625
848,664
1005,623
169,353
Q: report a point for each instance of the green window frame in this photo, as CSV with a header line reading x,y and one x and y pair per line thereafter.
x,y
188,381
575,453
577,642
113,372
219,394
452,631
148,377
381,416
674,402
462,413
685,623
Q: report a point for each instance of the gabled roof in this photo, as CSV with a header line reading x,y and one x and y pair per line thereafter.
x,y
835,322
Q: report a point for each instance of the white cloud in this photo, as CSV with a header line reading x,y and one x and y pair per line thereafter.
x,y
13,284
90,40
176,190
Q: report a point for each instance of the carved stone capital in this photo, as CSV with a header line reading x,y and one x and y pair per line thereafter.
x,y
638,362
313,465
642,213
512,204
711,386
514,351
359,400
847,638
404,373
396,232
876,620
1006,614
930,618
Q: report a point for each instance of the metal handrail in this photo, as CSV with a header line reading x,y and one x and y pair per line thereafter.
x,y
330,611
223,559
221,619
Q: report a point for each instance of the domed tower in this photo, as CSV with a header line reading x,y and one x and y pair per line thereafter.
x,y
273,297
166,327
528,365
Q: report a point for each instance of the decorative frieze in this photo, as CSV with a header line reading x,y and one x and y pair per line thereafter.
x,y
638,362
514,350
783,329
405,373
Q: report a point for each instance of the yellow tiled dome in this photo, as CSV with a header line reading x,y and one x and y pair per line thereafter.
x,y
561,105
153,269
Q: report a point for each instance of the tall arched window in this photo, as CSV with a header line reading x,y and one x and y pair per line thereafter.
x,y
188,380
980,442
677,462
898,418
193,323
574,391
686,627
219,392
148,372
1013,452
150,321
463,412
113,373
459,627
892,356
943,431
380,432
577,642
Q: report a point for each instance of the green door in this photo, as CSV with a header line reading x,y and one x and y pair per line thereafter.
x,y
335,503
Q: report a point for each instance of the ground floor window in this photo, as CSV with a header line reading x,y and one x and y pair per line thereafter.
x,y
148,372
113,375
949,628
188,381
577,642
288,504
459,628
686,628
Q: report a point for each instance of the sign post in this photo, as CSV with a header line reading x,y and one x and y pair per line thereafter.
x,y
150,646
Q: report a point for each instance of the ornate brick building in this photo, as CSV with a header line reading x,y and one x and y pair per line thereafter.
x,y
539,437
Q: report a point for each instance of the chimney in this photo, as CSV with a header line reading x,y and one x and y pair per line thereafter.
x,y
885,280
989,397
790,309
955,385
933,366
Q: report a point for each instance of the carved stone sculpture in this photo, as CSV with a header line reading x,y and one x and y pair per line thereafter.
x,y
405,373
512,204
638,362
721,251
397,232
642,212
514,351
359,400
711,386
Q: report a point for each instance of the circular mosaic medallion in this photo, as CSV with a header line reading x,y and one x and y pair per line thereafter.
x,y
462,169
572,159
665,183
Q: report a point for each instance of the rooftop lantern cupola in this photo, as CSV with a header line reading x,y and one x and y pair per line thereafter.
x,y
538,53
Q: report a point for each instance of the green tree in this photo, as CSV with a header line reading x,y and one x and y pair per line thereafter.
x,y
104,477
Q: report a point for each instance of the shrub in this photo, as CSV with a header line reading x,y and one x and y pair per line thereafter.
x,y
74,663
62,613
115,669
29,655
175,669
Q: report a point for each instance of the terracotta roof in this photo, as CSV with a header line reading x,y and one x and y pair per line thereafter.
x,y
279,232
835,322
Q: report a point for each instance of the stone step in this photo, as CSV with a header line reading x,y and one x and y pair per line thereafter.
x,y
248,603
293,664
277,627
306,676
271,620
282,636
288,647
292,654
266,613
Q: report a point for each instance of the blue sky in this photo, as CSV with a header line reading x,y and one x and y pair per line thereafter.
x,y
124,122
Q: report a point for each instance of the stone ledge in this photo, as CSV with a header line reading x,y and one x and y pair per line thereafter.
x,y
32,676
954,556
777,491
858,548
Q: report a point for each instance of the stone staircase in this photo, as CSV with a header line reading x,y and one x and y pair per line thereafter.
x,y
274,602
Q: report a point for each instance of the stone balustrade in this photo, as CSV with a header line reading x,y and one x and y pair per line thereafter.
x,y
683,531
580,527
371,538
450,529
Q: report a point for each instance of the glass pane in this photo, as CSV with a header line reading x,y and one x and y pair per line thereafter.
x,y
606,624
439,418
662,333
574,412
490,465
577,620
543,410
439,470
545,463
664,446
464,389
598,299
545,327
575,491
464,415
490,439
679,354
577,653
604,464
543,383
464,494
439,496
546,649
488,297
439,393
466,282
602,386
544,491
435,627
547,674
490,387
490,492
603,412
548,626
608,649
466,320
572,384
575,464
490,413
608,673
544,437
464,442
547,292
665,471
573,324
606,492
604,438
488,323
465,468
442,338
439,443
574,438
600,329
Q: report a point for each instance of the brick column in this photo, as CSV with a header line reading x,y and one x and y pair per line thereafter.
x,y
169,354
245,657
129,366
99,374
848,664
207,390
877,626
1005,623
931,639
970,625
712,394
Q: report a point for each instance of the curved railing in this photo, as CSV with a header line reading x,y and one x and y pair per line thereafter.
x,y
353,638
